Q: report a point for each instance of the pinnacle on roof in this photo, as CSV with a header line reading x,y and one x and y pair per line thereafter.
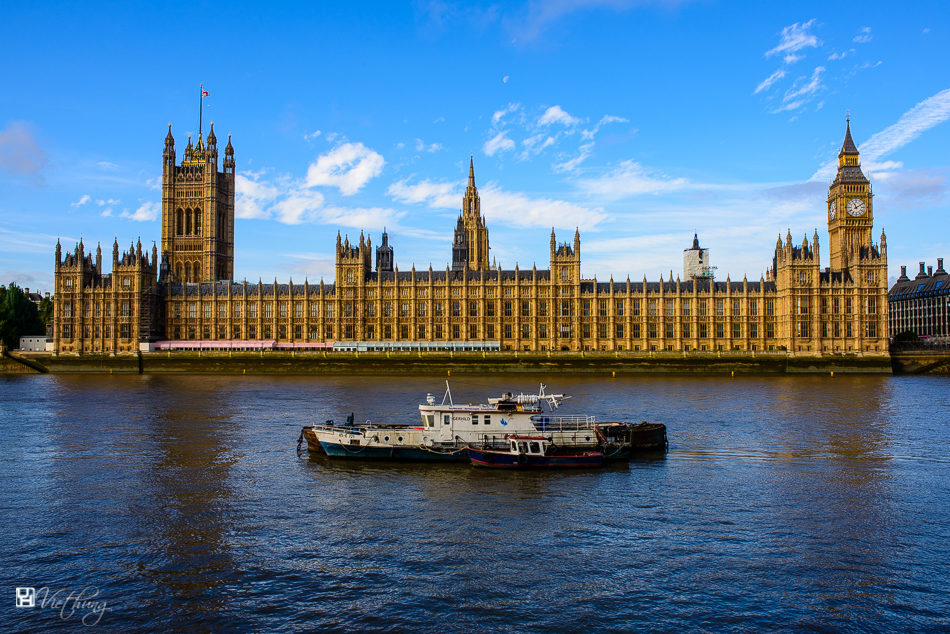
x,y
471,171
848,146
169,139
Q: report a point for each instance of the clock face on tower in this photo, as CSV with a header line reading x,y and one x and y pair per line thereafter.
x,y
856,207
831,210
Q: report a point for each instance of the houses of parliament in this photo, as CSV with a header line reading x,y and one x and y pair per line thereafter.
x,y
185,297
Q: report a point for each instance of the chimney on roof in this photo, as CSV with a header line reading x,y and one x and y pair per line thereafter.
x,y
903,276
922,273
930,271
940,270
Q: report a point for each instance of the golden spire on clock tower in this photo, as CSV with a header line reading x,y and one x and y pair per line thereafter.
x,y
849,205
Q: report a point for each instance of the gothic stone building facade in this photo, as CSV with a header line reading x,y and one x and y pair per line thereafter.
x,y
190,299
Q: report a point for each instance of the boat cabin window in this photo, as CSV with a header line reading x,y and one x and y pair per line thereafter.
x,y
474,419
523,447
430,420
535,448
514,446
447,419
487,419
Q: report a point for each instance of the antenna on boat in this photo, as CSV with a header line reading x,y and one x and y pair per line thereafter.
x,y
448,394
553,400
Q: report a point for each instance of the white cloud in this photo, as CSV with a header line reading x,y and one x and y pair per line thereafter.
x,y
500,114
768,81
555,114
567,166
499,143
841,55
801,93
588,135
925,115
312,135
864,36
251,195
882,167
107,165
631,179
536,143
436,195
107,212
519,210
85,198
146,212
301,206
794,38
111,201
422,147
348,167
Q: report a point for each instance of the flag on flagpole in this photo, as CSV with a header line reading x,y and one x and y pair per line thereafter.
x,y
204,93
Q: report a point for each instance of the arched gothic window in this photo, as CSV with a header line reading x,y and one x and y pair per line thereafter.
x,y
180,222
187,271
197,272
178,269
188,222
197,222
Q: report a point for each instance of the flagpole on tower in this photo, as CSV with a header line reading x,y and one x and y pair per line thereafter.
x,y
201,99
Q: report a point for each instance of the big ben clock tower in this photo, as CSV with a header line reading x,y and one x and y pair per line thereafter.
x,y
850,212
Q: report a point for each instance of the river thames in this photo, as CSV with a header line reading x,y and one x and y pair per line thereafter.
x,y
180,503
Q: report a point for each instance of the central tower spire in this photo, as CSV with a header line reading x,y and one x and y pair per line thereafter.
x,y
472,226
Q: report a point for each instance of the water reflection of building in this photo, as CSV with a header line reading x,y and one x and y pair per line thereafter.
x,y
189,298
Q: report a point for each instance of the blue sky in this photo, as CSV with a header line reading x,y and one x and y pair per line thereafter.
x,y
637,122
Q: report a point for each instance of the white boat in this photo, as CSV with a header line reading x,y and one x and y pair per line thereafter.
x,y
448,428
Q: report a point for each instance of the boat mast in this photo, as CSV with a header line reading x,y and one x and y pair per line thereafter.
x,y
448,394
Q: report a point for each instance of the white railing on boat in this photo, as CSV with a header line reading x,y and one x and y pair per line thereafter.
x,y
562,423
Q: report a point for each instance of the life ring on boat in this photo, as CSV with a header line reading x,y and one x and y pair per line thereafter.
x,y
551,448
522,458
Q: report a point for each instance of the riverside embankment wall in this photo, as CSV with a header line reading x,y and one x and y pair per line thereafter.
x,y
472,362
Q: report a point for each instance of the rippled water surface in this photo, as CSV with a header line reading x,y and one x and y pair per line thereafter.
x,y
794,504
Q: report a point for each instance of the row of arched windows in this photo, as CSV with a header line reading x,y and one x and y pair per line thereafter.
x,y
188,222
188,272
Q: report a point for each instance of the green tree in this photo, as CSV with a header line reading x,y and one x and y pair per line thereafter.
x,y
46,312
19,317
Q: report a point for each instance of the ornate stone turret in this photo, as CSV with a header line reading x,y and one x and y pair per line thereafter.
x,y
384,255
460,252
